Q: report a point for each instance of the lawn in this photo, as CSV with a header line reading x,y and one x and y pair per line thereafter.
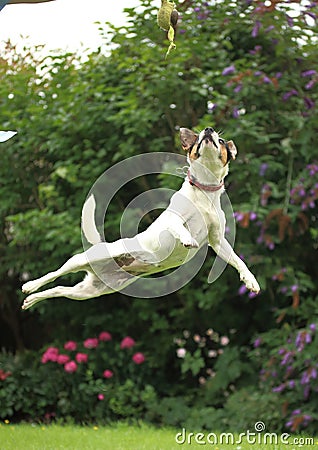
x,y
124,437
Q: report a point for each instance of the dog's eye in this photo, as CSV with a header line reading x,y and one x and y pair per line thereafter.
x,y
222,141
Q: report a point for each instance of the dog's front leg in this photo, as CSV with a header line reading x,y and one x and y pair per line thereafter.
x,y
224,250
175,225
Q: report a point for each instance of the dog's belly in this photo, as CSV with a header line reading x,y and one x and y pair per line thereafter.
x,y
177,257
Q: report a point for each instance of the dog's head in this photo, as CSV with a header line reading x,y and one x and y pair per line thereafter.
x,y
207,147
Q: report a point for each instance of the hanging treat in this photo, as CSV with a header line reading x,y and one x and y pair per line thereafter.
x,y
167,20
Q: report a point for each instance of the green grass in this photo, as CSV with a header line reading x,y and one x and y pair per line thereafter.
x,y
116,437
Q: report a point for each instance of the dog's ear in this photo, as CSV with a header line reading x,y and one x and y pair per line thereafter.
x,y
188,138
232,149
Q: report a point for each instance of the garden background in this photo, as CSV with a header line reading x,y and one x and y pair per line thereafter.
x,y
208,356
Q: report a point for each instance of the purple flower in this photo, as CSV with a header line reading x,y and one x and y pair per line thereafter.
x,y
310,84
242,290
308,338
291,384
266,80
252,294
312,15
309,103
294,288
270,28
257,342
256,28
239,216
262,169
257,73
290,20
279,388
312,327
289,94
287,358
238,88
305,379
236,113
308,73
228,70
256,50
253,216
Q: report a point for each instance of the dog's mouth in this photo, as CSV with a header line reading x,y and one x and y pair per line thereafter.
x,y
208,137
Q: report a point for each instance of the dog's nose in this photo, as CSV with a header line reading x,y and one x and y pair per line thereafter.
x,y
209,130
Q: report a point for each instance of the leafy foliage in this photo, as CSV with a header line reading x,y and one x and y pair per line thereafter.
x,y
248,68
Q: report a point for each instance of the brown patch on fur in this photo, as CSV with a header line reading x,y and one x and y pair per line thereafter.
x,y
223,155
193,154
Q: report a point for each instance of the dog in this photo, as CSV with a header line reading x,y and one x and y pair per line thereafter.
x,y
193,218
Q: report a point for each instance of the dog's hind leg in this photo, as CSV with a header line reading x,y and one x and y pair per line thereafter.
x,y
75,264
90,287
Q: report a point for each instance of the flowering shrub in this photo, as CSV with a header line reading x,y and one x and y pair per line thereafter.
x,y
83,380
292,373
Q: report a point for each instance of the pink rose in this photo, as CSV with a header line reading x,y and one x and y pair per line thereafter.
x,y
105,336
91,343
100,397
138,358
50,354
62,359
108,373
81,357
70,345
127,342
70,367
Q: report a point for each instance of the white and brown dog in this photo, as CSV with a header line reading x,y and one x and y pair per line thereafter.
x,y
193,218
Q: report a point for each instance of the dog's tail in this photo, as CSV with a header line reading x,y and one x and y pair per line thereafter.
x,y
88,221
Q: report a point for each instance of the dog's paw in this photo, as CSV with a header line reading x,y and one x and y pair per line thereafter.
x,y
30,301
190,242
30,286
251,283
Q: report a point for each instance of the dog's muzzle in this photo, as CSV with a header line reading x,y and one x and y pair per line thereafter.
x,y
208,136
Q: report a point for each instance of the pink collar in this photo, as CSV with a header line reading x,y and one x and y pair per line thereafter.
x,y
204,187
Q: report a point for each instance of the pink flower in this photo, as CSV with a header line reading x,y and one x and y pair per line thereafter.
x,y
50,354
138,358
108,373
100,396
70,345
62,359
81,357
127,342
70,367
91,343
105,336
224,340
